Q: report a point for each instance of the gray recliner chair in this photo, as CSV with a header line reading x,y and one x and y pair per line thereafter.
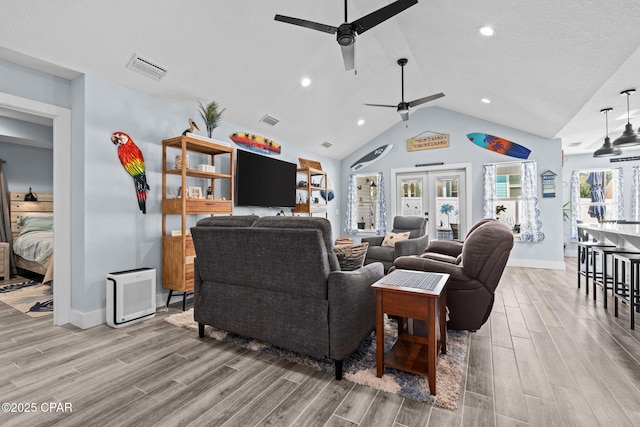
x,y
474,273
415,245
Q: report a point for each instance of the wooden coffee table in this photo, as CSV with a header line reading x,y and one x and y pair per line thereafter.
x,y
399,294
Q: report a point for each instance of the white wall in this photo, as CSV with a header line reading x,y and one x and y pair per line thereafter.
x,y
547,153
30,166
109,232
113,234
290,153
27,167
38,86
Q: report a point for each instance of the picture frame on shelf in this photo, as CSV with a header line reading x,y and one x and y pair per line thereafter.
x,y
194,192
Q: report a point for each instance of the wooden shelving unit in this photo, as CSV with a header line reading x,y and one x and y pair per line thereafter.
x,y
178,252
310,191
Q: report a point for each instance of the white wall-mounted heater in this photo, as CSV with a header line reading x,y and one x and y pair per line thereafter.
x,y
131,296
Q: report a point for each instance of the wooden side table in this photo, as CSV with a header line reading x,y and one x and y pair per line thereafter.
x,y
421,296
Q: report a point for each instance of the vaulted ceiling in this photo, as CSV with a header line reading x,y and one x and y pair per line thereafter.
x,y
548,70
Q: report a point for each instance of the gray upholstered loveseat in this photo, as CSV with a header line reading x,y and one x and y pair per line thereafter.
x,y
276,279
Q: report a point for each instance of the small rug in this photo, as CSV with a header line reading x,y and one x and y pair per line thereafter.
x,y
30,297
360,366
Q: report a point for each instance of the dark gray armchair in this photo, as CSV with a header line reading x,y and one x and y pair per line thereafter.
x,y
474,273
415,245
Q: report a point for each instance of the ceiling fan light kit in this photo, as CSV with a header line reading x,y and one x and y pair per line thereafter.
x,y
629,137
607,150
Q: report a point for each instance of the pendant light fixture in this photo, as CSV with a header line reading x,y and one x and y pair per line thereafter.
x,y
629,137
607,149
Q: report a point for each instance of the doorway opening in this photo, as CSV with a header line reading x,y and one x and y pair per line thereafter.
x,y
61,118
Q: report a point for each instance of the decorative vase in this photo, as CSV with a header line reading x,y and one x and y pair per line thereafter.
x,y
179,161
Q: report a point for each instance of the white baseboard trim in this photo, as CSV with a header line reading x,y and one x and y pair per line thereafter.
x,y
534,263
161,300
98,317
88,320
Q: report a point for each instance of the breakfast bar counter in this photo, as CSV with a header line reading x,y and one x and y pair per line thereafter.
x,y
622,235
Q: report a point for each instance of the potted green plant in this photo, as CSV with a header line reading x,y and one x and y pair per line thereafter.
x,y
211,114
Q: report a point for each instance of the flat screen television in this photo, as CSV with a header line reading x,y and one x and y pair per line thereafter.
x,y
264,181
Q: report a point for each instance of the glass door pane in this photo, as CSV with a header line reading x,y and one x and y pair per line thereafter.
x,y
447,204
411,195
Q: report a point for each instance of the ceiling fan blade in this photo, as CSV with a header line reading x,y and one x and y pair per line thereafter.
x,y
381,105
307,24
348,56
425,99
405,116
374,18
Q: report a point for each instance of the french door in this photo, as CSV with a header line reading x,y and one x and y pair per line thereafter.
x,y
437,195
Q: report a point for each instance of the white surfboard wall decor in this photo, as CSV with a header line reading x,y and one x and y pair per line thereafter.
x,y
371,158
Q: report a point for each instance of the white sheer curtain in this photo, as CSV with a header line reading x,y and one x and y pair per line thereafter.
x,y
575,203
616,192
531,226
381,225
635,194
489,178
351,223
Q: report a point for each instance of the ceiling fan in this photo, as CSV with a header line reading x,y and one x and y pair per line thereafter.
x,y
403,107
346,33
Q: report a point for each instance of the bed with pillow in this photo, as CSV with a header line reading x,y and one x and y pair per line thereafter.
x,y
32,229
33,247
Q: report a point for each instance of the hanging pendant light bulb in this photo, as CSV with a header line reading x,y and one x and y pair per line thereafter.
x,y
607,149
629,137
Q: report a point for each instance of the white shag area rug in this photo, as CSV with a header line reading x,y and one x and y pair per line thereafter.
x,y
360,366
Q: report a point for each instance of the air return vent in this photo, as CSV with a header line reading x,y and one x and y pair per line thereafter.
x,y
146,67
326,144
574,144
271,121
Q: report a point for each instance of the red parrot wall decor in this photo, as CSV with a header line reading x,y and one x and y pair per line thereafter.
x,y
132,160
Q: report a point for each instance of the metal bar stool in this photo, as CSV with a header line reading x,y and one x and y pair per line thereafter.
x,y
626,274
586,261
604,277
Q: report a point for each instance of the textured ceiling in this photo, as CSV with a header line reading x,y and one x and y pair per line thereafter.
x,y
549,69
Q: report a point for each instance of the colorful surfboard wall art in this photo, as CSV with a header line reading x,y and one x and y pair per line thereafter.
x,y
499,145
255,143
371,158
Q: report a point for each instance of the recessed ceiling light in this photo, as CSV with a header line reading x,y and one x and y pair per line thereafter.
x,y
360,122
486,31
486,100
305,82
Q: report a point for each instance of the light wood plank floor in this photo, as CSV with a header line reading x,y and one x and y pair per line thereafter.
x,y
549,356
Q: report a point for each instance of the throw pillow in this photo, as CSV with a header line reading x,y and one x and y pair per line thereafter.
x,y
351,257
390,238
